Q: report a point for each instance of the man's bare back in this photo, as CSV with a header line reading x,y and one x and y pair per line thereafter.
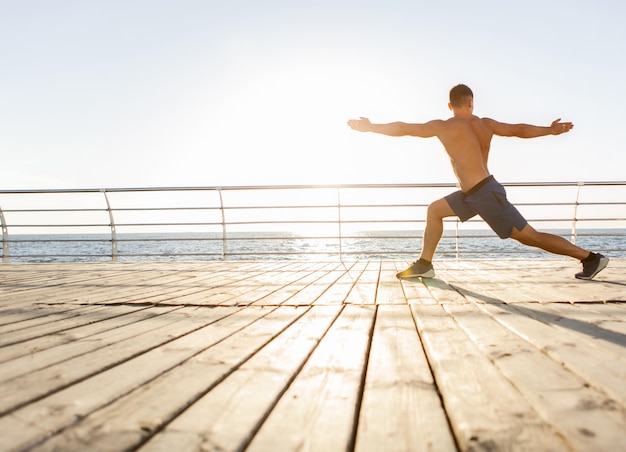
x,y
467,142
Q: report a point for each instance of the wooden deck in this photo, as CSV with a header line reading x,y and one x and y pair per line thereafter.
x,y
312,356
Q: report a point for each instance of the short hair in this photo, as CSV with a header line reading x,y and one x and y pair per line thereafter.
x,y
459,95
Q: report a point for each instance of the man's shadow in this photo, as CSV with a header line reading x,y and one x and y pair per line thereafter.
x,y
588,329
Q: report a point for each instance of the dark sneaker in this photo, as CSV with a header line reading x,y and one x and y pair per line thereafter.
x,y
591,269
417,269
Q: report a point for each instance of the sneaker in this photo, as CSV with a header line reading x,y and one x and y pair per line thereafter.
x,y
417,269
591,269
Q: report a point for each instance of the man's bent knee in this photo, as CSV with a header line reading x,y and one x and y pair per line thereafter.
x,y
439,209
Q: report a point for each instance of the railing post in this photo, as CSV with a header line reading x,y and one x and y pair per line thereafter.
x,y
112,225
339,224
5,238
575,219
224,238
456,238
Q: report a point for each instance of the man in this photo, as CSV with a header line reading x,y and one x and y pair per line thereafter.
x,y
467,139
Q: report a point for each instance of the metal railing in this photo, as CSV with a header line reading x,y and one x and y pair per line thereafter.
x,y
285,221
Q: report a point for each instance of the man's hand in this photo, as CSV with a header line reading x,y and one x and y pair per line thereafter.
x,y
362,125
557,127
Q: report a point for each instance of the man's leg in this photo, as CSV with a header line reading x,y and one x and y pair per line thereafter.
x,y
592,263
433,231
548,242
437,211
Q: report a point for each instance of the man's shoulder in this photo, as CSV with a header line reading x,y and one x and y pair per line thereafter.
x,y
454,121
488,121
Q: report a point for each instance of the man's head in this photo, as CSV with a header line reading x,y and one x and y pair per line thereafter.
x,y
460,96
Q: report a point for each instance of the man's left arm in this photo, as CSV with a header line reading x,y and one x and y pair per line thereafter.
x,y
529,131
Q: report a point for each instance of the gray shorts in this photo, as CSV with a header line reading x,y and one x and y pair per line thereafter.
x,y
488,200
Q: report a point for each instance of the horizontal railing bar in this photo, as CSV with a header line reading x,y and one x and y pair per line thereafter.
x,y
270,253
300,222
297,187
314,206
121,209
287,237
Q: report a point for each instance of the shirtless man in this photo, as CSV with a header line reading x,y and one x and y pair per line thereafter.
x,y
467,138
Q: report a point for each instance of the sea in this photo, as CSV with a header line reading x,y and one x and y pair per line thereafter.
x,y
471,244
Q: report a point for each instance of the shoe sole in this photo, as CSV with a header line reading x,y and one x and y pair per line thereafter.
x,y
428,274
604,261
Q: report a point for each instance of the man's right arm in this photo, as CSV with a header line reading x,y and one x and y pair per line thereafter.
x,y
398,129
529,131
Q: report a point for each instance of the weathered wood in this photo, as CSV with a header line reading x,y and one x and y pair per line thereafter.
x,y
364,291
227,417
52,323
583,415
401,407
602,368
339,290
129,420
317,412
101,389
91,360
389,287
39,352
269,355
469,382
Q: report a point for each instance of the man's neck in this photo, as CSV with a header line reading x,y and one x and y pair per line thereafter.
x,y
462,113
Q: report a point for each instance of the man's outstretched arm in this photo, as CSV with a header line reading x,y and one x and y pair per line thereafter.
x,y
398,129
529,131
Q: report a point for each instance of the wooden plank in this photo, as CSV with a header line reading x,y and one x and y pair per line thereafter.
x,y
443,292
595,319
312,292
401,408
227,417
364,291
60,319
159,288
595,365
115,317
131,419
234,291
468,381
288,293
151,287
269,288
389,287
19,318
415,291
154,332
317,412
577,322
339,290
610,316
85,396
30,356
232,288
70,282
584,416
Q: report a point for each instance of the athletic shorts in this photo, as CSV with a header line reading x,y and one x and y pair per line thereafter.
x,y
488,200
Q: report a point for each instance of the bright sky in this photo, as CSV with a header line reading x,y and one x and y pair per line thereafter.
x,y
136,93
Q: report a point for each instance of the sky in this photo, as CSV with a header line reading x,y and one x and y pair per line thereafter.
x,y
164,93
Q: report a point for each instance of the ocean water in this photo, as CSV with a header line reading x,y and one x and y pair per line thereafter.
x,y
480,244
